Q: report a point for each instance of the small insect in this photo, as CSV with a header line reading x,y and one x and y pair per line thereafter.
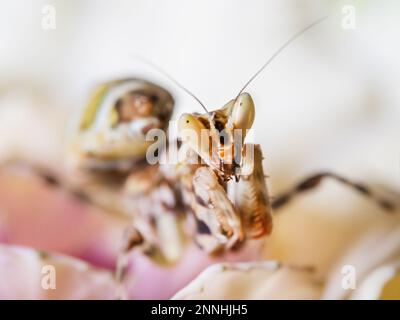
x,y
216,194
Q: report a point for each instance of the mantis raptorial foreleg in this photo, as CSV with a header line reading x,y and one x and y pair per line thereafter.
x,y
251,194
212,206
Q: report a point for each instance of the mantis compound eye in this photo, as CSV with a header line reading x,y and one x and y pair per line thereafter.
x,y
194,131
243,112
187,123
190,131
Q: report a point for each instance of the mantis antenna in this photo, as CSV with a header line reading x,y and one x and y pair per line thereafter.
x,y
166,74
294,37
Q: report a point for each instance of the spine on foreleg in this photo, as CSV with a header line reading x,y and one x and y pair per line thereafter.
x,y
251,196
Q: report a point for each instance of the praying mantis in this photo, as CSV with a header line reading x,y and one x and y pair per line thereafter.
x,y
216,193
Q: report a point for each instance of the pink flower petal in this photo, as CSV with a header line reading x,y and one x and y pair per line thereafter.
x,y
35,215
149,281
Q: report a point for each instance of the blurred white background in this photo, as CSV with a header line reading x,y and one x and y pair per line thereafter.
x,y
329,101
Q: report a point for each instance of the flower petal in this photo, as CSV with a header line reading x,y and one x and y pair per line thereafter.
x,y
253,280
27,274
382,283
36,215
146,280
377,247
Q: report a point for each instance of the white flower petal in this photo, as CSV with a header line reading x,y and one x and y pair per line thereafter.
x,y
252,280
24,275
377,247
382,283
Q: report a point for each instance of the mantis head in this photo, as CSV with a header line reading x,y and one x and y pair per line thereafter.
x,y
218,136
